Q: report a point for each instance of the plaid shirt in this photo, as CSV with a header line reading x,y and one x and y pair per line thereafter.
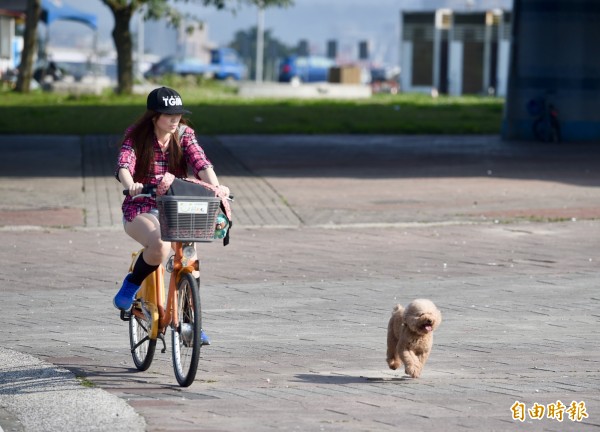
x,y
194,156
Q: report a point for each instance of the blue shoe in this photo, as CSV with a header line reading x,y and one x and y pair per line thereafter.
x,y
126,295
204,338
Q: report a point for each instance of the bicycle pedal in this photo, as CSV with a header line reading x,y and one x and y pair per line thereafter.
x,y
170,264
126,315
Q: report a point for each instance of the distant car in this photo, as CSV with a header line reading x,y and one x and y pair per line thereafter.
x,y
297,69
178,66
385,81
227,64
224,64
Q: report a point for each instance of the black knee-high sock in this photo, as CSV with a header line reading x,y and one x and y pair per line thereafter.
x,y
141,270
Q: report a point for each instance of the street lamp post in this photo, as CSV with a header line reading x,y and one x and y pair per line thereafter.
x,y
260,41
140,42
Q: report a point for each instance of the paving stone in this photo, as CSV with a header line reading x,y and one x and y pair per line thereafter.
x,y
297,308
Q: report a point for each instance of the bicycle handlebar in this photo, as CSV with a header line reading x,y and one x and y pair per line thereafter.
x,y
150,190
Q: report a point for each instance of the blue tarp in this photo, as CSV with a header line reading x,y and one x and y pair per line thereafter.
x,y
53,10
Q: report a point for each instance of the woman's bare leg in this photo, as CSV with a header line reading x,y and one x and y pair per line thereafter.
x,y
145,229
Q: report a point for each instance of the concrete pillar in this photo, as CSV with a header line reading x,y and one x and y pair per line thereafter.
x,y
555,54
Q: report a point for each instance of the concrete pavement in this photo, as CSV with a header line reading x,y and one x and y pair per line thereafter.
x,y
330,233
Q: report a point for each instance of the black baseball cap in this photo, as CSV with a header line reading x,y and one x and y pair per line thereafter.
x,y
165,101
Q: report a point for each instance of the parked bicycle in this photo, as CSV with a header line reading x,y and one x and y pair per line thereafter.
x,y
546,125
184,220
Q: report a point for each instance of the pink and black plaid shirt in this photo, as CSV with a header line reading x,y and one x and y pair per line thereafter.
x,y
194,156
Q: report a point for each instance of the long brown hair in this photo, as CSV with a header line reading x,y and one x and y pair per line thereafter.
x,y
142,136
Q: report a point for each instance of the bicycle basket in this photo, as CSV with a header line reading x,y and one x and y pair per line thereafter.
x,y
187,218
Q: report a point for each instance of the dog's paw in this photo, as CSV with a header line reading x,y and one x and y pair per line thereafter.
x,y
413,371
393,364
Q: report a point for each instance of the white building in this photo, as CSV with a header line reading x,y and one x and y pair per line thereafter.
x,y
455,53
10,45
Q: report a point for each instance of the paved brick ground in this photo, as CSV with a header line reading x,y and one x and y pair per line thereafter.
x,y
504,239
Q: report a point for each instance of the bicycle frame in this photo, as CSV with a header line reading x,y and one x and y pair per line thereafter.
x,y
546,125
152,292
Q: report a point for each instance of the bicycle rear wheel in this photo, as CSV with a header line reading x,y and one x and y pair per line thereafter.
x,y
186,337
546,131
142,346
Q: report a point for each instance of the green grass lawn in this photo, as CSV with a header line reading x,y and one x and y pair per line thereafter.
x,y
216,109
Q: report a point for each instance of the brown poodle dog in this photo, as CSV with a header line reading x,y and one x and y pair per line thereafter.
x,y
410,335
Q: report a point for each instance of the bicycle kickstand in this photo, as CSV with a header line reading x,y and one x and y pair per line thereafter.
x,y
162,338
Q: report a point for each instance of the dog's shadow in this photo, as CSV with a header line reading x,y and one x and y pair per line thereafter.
x,y
349,379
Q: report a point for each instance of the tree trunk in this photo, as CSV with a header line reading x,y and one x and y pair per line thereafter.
x,y
34,10
123,44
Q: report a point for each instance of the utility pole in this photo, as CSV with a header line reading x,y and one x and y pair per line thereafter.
x,y
140,43
260,42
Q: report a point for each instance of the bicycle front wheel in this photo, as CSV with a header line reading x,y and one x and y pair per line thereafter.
x,y
186,337
142,346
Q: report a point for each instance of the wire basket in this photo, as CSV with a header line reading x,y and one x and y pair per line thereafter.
x,y
184,218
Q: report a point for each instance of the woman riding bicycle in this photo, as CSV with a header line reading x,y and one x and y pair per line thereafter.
x,y
159,142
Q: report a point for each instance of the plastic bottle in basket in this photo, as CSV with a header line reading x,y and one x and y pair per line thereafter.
x,y
221,226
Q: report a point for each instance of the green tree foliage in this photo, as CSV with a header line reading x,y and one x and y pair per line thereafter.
x,y
123,11
244,42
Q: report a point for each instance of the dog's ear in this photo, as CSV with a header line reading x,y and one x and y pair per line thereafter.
x,y
409,318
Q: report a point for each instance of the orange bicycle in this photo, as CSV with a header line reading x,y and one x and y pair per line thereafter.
x,y
184,221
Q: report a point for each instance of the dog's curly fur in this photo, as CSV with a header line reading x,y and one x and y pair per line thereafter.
x,y
410,335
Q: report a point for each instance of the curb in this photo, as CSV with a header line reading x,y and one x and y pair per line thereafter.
x,y
38,396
